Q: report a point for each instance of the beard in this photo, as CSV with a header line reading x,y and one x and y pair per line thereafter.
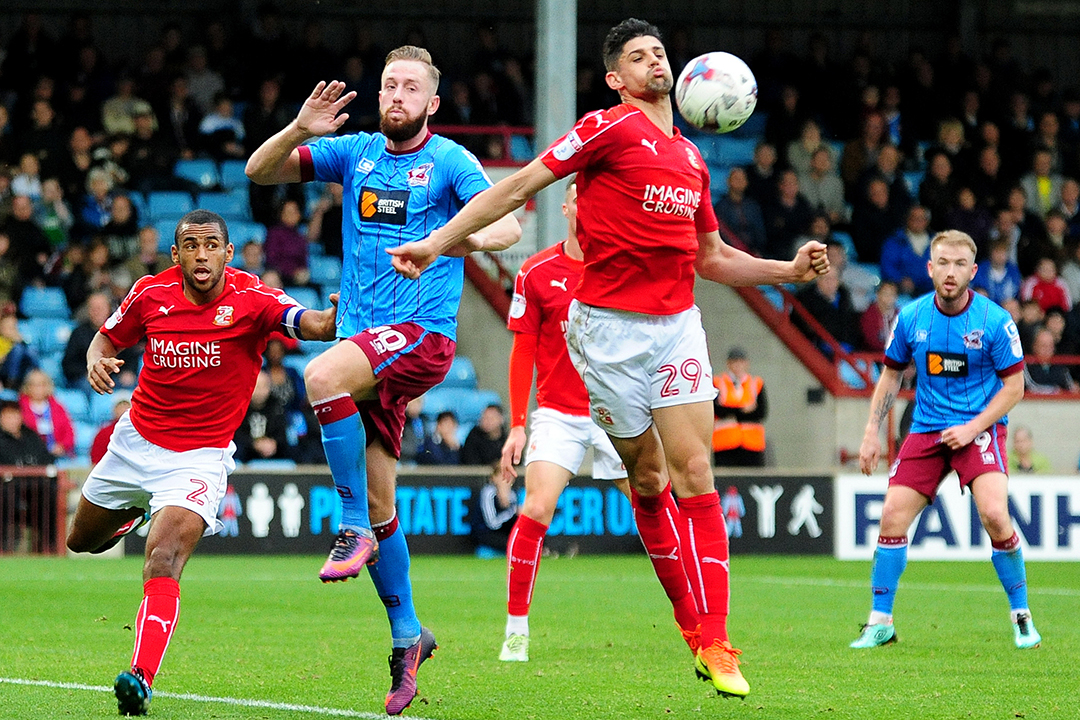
x,y
401,130
660,85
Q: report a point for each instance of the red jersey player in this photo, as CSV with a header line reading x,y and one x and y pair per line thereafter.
x,y
205,326
646,225
561,429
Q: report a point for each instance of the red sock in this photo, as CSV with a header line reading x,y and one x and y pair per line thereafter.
x,y
154,624
523,551
658,522
704,539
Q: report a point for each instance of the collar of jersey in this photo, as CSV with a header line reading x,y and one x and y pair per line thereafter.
x,y
418,148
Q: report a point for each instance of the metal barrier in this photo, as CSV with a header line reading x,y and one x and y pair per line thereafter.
x,y
33,510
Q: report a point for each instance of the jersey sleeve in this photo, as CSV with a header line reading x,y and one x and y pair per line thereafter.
x,y
580,147
127,325
1006,350
466,174
524,310
277,311
898,347
326,159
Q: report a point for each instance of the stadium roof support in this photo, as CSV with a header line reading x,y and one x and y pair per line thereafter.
x,y
556,101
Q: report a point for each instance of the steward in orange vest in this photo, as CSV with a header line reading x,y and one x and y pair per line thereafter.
x,y
739,409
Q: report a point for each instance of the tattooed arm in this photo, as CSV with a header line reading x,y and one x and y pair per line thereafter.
x,y
880,404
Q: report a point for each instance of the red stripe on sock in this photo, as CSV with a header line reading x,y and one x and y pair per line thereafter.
x,y
154,624
333,409
705,542
660,525
890,541
386,529
1007,545
523,551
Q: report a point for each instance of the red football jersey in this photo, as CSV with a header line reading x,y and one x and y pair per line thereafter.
x,y
543,290
642,200
201,361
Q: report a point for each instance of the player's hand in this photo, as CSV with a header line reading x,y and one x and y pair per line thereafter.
x,y
327,321
869,453
511,453
99,374
811,260
959,436
413,258
319,113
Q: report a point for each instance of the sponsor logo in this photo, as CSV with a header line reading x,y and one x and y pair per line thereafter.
x,y
973,340
559,284
365,166
650,145
184,354
693,159
880,590
517,305
705,559
224,317
165,310
421,174
386,207
670,200
523,561
943,364
920,336
164,623
599,118
673,555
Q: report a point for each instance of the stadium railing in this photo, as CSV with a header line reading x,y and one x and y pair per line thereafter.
x,y
33,510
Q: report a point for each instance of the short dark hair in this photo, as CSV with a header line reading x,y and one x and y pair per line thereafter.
x,y
446,414
201,217
623,33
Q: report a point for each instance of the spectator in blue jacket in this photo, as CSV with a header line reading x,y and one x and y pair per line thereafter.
x,y
905,254
1000,278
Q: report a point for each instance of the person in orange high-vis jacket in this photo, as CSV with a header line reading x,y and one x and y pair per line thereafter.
x,y
740,408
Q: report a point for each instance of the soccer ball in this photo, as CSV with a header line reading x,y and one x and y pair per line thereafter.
x,y
716,92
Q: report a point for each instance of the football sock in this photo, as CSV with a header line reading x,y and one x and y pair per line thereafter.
x,y
345,443
658,522
517,625
391,578
705,558
523,550
154,624
890,559
1008,559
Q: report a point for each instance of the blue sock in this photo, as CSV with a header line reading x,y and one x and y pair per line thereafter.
x,y
391,578
345,443
1012,574
890,559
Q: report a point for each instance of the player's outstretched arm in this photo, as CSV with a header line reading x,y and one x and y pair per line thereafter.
x,y
722,263
499,235
320,324
501,199
1011,392
277,160
888,386
102,364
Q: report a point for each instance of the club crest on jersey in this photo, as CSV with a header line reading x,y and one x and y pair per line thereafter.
x,y
421,174
224,316
692,158
603,415
973,340
386,207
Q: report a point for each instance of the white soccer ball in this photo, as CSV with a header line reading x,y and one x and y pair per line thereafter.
x,y
716,92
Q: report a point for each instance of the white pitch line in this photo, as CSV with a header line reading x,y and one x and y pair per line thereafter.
x,y
826,582
313,709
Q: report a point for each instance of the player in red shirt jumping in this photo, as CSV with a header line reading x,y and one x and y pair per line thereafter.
x,y
206,326
645,224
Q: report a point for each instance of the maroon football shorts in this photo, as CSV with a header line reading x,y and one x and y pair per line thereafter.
x,y
924,460
408,361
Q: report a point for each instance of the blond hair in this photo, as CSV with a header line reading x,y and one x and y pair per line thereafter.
x,y
416,54
953,237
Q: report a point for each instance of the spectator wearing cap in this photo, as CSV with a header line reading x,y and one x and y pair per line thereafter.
x,y
19,445
739,410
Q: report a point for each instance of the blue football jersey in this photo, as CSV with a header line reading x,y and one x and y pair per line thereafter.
x,y
960,359
391,199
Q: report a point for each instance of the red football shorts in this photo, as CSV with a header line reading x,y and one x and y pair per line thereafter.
x,y
408,361
924,460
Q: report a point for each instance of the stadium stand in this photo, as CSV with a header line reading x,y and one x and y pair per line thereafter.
x,y
44,302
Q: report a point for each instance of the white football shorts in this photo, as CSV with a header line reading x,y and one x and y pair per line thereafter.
x,y
563,439
632,363
137,473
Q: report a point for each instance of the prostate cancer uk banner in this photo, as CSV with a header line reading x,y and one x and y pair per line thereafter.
x,y
1045,511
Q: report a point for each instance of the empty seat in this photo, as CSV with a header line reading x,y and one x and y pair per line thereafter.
x,y
76,403
202,172
240,231
736,151
520,149
169,204
232,174
166,234
48,302
230,206
325,271
84,438
101,406
47,336
461,375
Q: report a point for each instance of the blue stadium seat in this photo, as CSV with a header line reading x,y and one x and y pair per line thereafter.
x,y
913,179
462,374
311,348
521,149
736,151
231,206
306,296
166,234
279,465
101,406
169,205
139,201
76,403
325,271
53,367
466,404
202,172
845,239
240,231
709,147
84,438
48,302
297,362
232,174
48,336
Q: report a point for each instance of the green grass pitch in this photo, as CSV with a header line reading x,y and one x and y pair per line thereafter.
x,y
603,644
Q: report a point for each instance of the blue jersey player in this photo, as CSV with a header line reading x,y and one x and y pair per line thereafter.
x,y
969,364
398,336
